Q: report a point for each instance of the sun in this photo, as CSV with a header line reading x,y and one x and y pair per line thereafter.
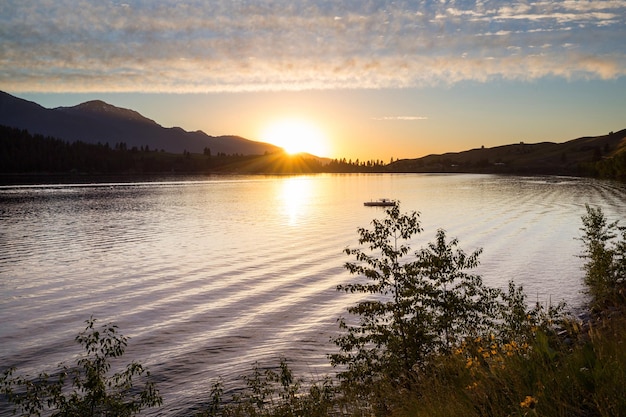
x,y
296,136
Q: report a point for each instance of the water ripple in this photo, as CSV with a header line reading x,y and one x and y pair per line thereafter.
x,y
209,276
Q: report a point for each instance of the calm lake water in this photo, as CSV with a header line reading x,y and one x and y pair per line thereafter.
x,y
211,274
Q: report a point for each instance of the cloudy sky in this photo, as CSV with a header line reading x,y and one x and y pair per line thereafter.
x,y
372,79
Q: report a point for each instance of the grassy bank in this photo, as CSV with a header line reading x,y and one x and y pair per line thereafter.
x,y
579,373
585,376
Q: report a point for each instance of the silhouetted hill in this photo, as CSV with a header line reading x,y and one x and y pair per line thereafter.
x,y
26,158
99,122
574,157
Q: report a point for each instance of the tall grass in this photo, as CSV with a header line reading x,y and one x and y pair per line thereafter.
x,y
548,378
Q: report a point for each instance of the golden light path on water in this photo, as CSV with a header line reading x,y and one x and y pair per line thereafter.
x,y
296,192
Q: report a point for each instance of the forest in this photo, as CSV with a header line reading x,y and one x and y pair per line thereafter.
x,y
24,153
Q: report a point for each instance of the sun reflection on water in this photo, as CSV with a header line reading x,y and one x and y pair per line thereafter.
x,y
296,194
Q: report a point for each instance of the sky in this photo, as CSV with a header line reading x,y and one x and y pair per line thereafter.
x,y
365,80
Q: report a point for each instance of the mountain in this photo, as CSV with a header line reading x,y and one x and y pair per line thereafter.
x,y
568,158
96,121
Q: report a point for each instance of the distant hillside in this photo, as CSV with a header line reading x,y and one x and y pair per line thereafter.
x,y
26,158
99,122
574,157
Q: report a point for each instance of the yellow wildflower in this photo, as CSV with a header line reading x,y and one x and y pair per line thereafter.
x,y
529,402
472,386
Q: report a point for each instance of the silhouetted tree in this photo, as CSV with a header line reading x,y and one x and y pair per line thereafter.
x,y
420,306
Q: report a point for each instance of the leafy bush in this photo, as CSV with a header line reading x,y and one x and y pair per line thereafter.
x,y
272,393
422,307
605,254
86,389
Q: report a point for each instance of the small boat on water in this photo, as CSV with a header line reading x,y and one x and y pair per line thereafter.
x,y
383,202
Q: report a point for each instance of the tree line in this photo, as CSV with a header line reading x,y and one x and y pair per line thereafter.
x,y
613,167
23,152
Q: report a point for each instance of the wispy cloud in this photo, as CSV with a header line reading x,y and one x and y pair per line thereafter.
x,y
197,46
408,118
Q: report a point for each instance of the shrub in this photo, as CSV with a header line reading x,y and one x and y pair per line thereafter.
x,y
86,389
421,306
272,393
605,266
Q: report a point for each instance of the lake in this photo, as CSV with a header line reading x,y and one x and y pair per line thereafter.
x,y
208,275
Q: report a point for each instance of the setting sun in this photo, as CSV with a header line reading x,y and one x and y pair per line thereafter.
x,y
296,136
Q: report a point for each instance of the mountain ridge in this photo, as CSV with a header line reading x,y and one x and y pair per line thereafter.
x,y
552,158
96,107
96,121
